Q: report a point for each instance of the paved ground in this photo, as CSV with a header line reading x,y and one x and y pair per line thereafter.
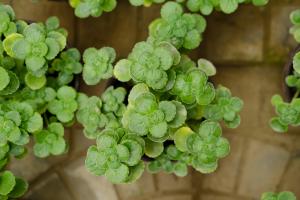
x,y
249,49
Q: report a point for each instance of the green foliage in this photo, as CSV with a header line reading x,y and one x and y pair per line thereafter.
x,y
7,17
96,113
191,84
36,45
279,196
11,187
146,116
50,141
295,29
95,8
180,29
206,7
205,147
67,65
224,107
17,120
65,104
117,156
146,3
148,63
288,114
98,64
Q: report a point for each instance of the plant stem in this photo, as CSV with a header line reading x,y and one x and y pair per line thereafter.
x,y
296,94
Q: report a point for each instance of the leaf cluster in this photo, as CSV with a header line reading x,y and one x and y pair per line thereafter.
x,y
149,63
295,29
98,113
98,64
183,30
280,196
94,8
117,156
11,187
206,7
288,114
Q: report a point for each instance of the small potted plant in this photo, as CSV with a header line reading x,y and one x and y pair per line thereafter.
x,y
289,112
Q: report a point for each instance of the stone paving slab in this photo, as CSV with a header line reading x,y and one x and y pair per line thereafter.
x,y
50,188
86,186
263,167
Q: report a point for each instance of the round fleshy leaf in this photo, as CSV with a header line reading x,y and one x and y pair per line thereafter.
x,y
122,70
83,10
52,23
53,48
118,175
180,138
135,172
34,82
171,11
4,78
7,183
13,85
153,149
109,5
278,126
207,67
229,6
180,117
19,189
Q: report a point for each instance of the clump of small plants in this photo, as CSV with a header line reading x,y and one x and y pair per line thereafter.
x,y
94,8
37,94
206,7
278,196
163,114
288,113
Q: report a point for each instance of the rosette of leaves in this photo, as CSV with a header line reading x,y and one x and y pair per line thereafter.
x,y
148,63
17,119
98,64
279,196
295,29
145,3
181,29
36,45
146,116
38,99
191,84
288,114
226,6
170,161
116,156
7,17
65,104
224,107
67,66
9,82
94,8
11,187
50,141
90,115
206,146
113,100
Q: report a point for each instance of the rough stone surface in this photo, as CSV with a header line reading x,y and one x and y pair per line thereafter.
x,y
102,31
262,170
217,197
224,179
142,188
85,185
51,187
174,197
41,10
170,182
235,37
291,178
